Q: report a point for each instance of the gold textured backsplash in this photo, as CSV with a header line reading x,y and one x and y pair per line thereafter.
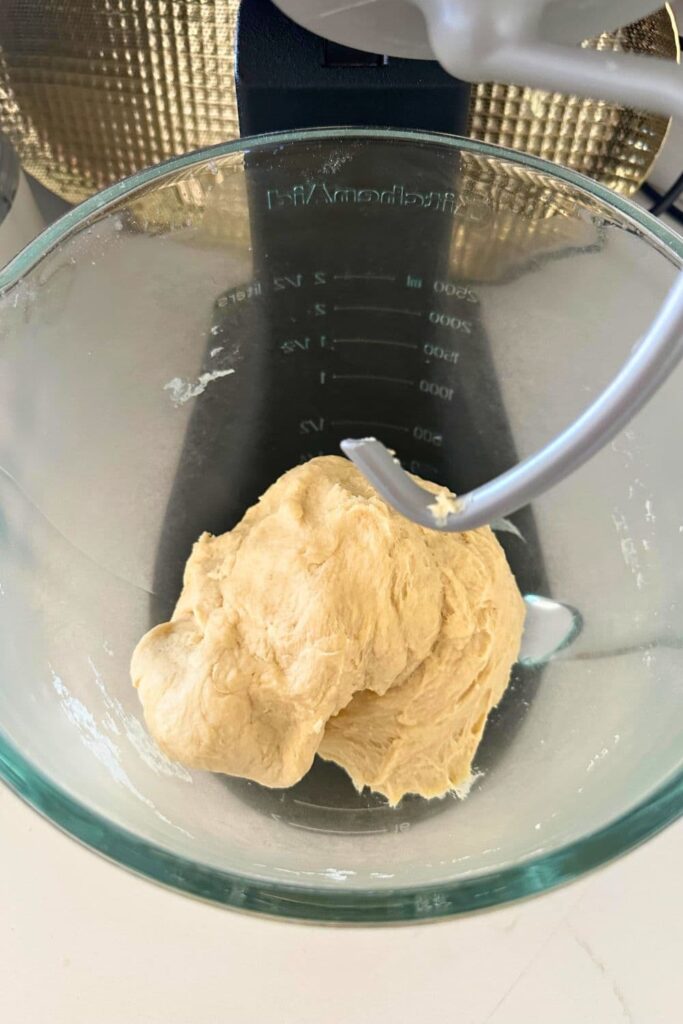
x,y
610,143
93,90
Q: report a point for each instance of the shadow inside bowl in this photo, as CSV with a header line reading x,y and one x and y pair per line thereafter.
x,y
325,800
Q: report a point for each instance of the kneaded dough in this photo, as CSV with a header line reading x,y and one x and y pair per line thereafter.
x,y
325,622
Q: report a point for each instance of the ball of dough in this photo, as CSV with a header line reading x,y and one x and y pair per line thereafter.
x,y
325,622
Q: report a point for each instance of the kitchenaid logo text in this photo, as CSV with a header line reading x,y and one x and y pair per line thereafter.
x,y
320,193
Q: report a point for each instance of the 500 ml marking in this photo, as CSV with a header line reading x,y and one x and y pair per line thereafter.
x,y
312,426
427,435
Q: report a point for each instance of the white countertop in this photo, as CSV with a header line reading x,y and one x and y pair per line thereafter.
x,y
83,942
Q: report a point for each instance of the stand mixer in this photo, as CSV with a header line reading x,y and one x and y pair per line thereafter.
x,y
172,345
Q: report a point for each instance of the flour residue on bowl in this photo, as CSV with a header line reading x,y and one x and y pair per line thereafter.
x,y
338,874
136,733
629,549
103,747
184,390
335,161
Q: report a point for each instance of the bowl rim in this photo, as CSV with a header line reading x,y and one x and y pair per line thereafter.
x,y
57,232
532,875
315,904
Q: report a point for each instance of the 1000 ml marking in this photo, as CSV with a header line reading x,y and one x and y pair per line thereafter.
x,y
430,387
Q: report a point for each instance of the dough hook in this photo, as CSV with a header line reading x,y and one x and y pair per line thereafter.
x,y
650,363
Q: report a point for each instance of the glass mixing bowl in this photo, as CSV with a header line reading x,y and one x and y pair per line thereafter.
x,y
172,345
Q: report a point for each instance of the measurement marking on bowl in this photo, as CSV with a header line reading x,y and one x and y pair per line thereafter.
x,y
370,423
373,341
364,277
338,810
372,376
338,831
291,871
376,309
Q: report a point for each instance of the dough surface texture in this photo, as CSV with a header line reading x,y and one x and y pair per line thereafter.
x,y
326,623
